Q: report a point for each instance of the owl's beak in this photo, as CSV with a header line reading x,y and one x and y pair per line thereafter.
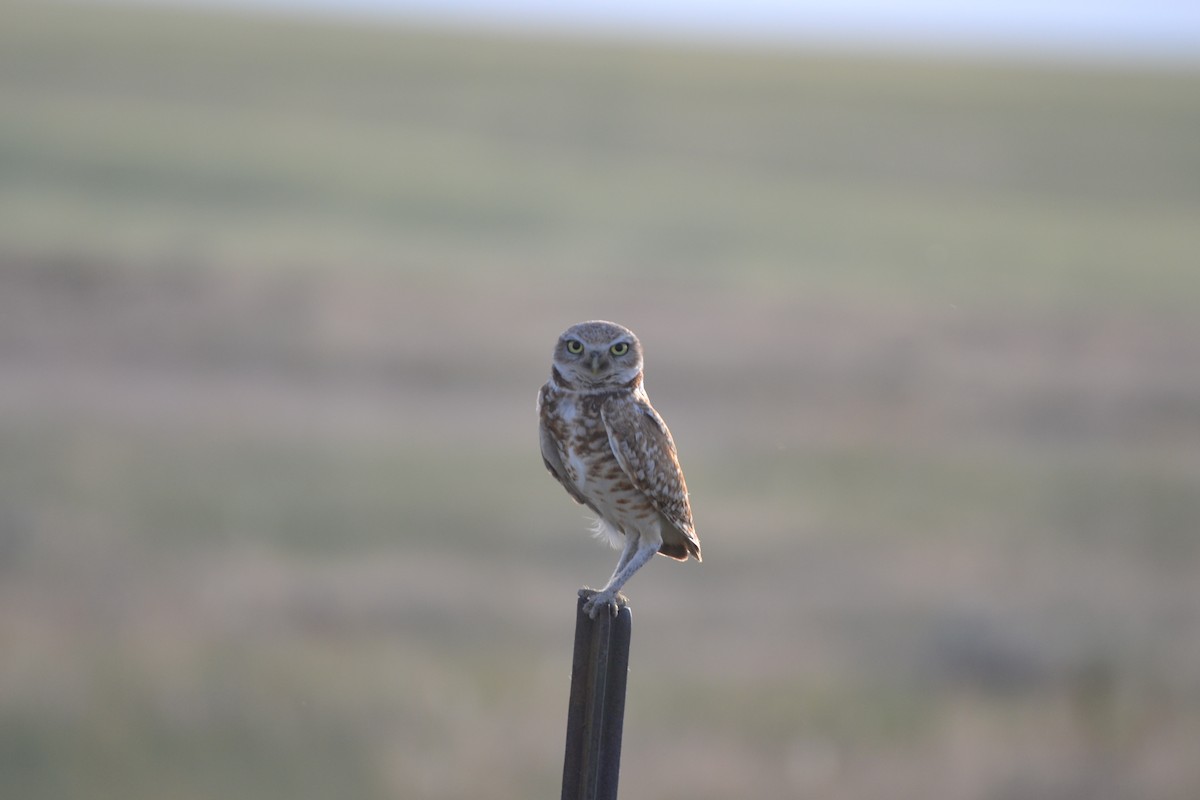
x,y
595,363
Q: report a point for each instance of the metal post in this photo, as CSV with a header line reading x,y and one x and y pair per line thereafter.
x,y
596,712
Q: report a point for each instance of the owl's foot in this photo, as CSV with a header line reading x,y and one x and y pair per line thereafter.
x,y
594,601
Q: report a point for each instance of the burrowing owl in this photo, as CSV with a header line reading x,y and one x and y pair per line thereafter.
x,y
612,452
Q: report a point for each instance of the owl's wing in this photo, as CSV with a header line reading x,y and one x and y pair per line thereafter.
x,y
644,449
552,456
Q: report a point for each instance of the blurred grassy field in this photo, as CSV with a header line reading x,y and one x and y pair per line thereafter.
x,y
275,299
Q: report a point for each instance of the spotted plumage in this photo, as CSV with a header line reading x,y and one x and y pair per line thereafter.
x,y
612,452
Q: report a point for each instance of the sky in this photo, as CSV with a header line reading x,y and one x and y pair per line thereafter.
x,y
1146,29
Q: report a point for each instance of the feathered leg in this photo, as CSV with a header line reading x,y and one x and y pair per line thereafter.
x,y
627,552
634,556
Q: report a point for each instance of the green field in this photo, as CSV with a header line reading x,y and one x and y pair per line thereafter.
x,y
276,298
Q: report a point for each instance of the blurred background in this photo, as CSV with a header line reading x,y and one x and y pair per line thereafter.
x,y
920,300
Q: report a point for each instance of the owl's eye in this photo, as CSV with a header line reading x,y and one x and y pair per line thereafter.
x,y
619,349
574,346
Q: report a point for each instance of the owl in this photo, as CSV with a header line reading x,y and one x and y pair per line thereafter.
x,y
612,452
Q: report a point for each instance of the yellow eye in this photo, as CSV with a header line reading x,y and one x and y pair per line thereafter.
x,y
574,346
619,349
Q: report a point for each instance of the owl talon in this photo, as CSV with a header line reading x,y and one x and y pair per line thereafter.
x,y
594,600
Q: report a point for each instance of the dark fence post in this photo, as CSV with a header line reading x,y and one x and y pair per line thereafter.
x,y
596,712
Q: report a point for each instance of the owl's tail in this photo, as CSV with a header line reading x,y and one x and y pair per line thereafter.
x,y
681,548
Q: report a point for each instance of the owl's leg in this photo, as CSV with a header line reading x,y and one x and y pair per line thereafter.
x,y
627,551
591,605
635,555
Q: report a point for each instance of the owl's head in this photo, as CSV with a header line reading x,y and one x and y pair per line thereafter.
x,y
598,355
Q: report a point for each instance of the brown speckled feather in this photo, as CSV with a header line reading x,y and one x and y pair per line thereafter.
x,y
551,444
643,447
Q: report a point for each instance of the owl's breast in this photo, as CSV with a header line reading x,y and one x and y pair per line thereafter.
x,y
575,430
599,476
590,468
